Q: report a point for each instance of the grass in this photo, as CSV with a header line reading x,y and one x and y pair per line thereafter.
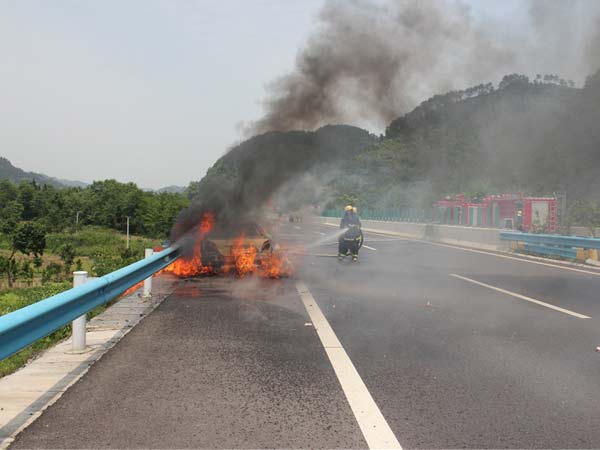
x,y
91,240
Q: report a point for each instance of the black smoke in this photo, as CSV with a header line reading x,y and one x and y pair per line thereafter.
x,y
368,62
245,180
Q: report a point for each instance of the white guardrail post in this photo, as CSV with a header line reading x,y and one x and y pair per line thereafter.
x,y
78,338
148,281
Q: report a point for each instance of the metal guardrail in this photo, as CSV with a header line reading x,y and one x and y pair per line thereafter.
x,y
565,252
551,244
552,239
23,327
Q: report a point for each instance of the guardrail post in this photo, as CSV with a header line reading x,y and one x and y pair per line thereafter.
x,y
148,281
78,338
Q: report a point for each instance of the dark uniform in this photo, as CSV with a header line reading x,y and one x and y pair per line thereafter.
x,y
350,240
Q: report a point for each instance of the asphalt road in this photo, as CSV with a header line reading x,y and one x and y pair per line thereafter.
x,y
450,361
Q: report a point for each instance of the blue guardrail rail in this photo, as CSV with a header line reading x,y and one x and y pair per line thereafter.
x,y
551,244
23,327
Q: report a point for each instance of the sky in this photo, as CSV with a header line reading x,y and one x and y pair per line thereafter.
x,y
149,91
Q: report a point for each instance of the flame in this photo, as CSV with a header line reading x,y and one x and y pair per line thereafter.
x,y
276,265
192,266
243,256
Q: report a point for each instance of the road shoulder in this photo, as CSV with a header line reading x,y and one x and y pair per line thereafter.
x,y
25,394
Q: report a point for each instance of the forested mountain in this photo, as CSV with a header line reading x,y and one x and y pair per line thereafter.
x,y
16,175
534,136
539,136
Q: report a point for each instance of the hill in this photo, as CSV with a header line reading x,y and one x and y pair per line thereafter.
x,y
537,136
253,173
534,136
16,175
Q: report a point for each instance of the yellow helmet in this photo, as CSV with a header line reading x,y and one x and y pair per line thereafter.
x,y
348,208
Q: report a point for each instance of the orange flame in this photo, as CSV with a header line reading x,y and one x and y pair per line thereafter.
x,y
275,265
243,256
192,266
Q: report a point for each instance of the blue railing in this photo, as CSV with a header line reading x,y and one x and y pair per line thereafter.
x,y
23,327
551,244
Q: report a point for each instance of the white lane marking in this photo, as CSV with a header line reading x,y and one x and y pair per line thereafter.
x,y
522,297
370,248
456,247
373,425
297,227
319,232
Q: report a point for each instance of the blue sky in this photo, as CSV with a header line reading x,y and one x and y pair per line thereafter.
x,y
150,91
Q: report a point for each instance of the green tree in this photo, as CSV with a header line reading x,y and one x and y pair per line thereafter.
x,y
67,255
27,272
52,272
586,214
10,216
28,238
10,268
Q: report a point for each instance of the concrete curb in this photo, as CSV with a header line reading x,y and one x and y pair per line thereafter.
x,y
25,394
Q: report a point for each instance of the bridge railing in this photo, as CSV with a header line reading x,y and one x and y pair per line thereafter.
x,y
573,247
24,326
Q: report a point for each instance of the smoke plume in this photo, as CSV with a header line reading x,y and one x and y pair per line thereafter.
x,y
252,173
367,63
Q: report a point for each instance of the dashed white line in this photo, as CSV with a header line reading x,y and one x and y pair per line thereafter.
x,y
319,232
370,248
373,425
522,297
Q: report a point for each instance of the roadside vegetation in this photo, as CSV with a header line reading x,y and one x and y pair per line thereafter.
x,y
46,233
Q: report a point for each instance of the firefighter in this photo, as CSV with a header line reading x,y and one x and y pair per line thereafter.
x,y
350,241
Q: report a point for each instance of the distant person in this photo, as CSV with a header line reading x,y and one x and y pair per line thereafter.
x,y
350,241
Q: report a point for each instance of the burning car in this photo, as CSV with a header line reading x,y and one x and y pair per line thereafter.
x,y
236,246
240,248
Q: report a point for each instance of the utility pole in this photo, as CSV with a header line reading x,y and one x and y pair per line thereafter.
x,y
127,231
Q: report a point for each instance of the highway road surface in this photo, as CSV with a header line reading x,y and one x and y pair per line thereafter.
x,y
417,345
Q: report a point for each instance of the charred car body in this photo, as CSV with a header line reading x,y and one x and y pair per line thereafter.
x,y
223,247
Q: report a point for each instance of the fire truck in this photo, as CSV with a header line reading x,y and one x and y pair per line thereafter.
x,y
512,211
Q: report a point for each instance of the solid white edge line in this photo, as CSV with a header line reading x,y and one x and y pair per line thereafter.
x,y
522,297
457,247
374,427
370,248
